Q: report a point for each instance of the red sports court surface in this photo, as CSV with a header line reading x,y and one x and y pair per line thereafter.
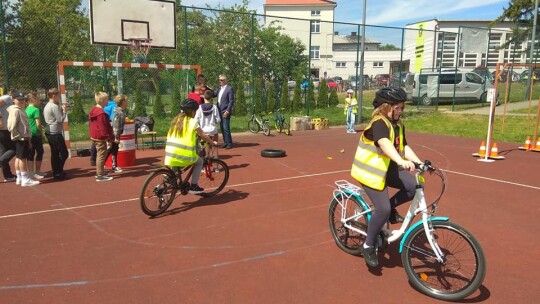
x,y
264,239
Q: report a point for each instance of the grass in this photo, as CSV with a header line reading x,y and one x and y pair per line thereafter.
x,y
516,128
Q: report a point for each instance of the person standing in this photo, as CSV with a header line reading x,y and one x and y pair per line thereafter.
x,y
7,146
101,132
36,150
208,117
109,109
225,103
54,116
20,133
118,122
351,108
200,88
380,154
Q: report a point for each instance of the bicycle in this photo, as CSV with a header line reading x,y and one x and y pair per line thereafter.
x,y
280,123
441,259
160,187
255,124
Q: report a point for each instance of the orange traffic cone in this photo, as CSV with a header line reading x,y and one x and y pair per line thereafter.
x,y
482,149
527,145
494,153
537,146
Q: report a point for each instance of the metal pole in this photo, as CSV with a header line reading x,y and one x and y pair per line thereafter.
x,y
186,42
533,40
362,44
119,79
309,71
357,64
4,44
253,62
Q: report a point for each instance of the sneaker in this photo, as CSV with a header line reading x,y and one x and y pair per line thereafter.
x,y
370,256
37,176
42,174
195,189
104,174
395,217
18,181
103,178
10,179
29,183
117,170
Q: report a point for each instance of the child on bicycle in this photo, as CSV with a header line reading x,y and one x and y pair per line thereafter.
x,y
181,146
208,116
381,152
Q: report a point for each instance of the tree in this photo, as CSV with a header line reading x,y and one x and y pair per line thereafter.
x,y
389,47
333,101
140,105
77,111
159,107
175,98
322,101
271,98
240,99
521,13
311,92
297,95
284,100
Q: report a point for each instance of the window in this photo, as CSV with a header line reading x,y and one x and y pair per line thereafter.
x,y
315,13
378,64
341,65
315,52
315,26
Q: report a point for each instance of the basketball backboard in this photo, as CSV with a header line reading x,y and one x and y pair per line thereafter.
x,y
116,22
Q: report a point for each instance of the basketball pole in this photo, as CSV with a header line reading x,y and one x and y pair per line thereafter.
x,y
119,82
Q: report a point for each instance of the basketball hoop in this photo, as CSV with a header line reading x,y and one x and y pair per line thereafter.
x,y
140,47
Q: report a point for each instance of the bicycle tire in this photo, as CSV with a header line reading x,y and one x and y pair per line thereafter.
x,y
253,126
214,177
277,125
347,240
437,280
286,128
266,128
158,192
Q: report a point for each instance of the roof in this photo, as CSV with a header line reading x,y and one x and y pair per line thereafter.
x,y
299,2
339,39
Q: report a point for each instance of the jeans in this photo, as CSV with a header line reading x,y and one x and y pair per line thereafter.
x,y
351,119
59,153
225,126
7,152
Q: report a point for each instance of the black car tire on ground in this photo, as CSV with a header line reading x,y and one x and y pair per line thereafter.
x,y
273,153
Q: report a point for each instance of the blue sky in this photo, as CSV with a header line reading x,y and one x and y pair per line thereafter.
x,y
393,12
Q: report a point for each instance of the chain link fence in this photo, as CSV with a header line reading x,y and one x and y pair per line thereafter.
x,y
272,62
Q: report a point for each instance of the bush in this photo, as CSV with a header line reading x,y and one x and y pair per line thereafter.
x,y
240,99
159,107
175,98
140,106
333,101
322,101
77,112
270,99
297,95
284,100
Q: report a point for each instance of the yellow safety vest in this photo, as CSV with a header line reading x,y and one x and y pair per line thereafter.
x,y
370,163
350,104
181,148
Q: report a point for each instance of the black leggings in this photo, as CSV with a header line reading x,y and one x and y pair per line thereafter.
x,y
36,152
399,179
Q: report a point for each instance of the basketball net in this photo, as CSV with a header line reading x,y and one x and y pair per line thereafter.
x,y
139,48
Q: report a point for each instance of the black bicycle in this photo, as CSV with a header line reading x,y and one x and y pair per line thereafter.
x,y
160,188
280,123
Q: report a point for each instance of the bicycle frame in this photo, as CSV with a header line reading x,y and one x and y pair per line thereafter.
x,y
347,190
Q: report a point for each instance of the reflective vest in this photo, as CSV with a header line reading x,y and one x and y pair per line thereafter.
x,y
370,163
181,147
351,102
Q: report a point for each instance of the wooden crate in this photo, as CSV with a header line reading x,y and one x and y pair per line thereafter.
x,y
301,123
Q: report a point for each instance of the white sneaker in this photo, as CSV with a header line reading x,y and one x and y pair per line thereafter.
x,y
117,170
103,178
37,176
18,181
42,174
29,183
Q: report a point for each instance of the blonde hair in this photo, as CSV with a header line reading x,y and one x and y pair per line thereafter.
x,y
177,124
101,96
120,99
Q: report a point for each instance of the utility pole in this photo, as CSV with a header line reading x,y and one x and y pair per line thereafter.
x,y
531,52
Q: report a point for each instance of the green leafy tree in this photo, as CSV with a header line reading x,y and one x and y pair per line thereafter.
x,y
271,98
175,97
333,101
158,107
240,107
388,47
77,112
311,93
284,100
521,13
140,105
297,95
322,101
258,95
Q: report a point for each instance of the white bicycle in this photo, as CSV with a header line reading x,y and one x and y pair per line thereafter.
x,y
442,259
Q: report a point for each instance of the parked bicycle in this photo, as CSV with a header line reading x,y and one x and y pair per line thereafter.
x,y
280,123
160,188
442,259
255,124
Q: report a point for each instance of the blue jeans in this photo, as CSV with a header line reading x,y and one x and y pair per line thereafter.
x,y
225,126
351,119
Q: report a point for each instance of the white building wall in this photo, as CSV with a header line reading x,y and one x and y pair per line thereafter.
x,y
375,62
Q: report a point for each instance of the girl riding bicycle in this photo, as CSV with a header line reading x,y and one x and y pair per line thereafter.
x,y
382,150
181,147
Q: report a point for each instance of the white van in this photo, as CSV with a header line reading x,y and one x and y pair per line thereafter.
x,y
424,88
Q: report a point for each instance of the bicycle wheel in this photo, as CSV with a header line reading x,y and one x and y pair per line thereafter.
x,y
285,127
253,126
463,270
214,177
266,128
158,192
347,240
277,125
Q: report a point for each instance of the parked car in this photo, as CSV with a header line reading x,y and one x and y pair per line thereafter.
x,y
382,79
504,73
424,88
304,85
338,79
332,84
525,75
353,82
398,79
291,84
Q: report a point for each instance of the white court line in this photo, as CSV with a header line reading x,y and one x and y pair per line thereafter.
x,y
253,183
